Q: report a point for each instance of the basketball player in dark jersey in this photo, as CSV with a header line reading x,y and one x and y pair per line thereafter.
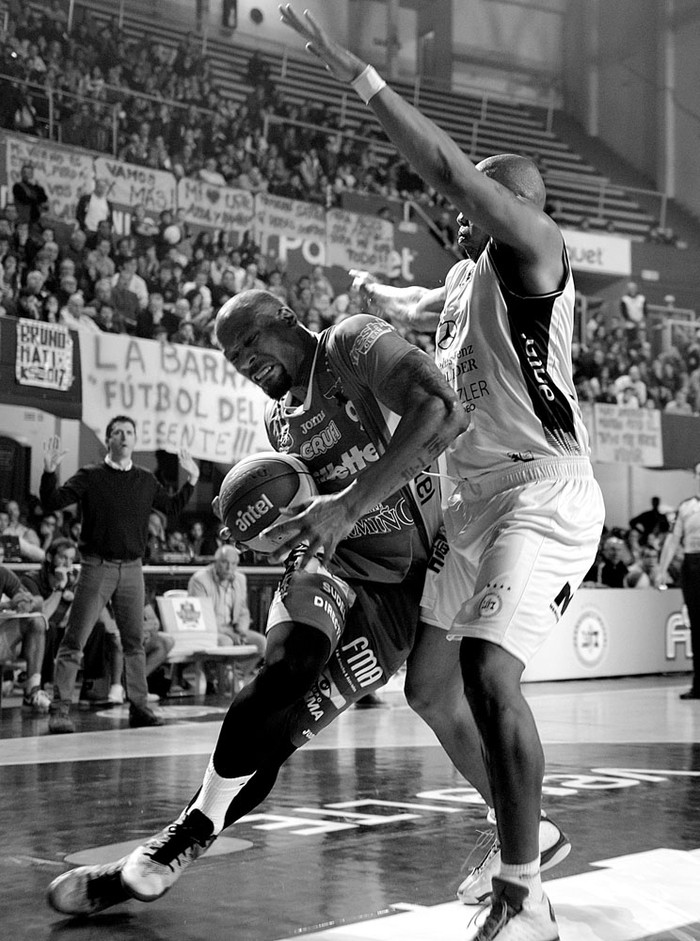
x,y
335,630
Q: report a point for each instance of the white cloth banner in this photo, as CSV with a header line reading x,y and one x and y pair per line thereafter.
x,y
216,207
289,220
360,241
179,397
129,185
64,174
628,436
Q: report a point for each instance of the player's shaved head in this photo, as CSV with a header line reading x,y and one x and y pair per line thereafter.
x,y
518,174
245,308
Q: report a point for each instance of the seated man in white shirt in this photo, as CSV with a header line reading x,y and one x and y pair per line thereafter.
x,y
224,583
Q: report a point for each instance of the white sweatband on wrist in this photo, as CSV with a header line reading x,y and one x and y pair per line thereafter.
x,y
368,83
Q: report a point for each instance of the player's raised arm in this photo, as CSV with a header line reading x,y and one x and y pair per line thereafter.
x,y
509,219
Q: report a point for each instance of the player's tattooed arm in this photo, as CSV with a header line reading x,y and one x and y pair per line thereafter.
x,y
431,418
431,415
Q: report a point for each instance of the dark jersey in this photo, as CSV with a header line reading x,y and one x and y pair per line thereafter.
x,y
341,429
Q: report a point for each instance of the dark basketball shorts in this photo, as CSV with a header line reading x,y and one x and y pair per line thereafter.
x,y
371,627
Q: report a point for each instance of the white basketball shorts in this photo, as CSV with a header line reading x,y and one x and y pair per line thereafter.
x,y
515,559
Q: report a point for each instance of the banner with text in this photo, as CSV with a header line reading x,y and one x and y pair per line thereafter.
x,y
64,174
216,207
628,436
286,225
129,186
360,241
594,251
179,397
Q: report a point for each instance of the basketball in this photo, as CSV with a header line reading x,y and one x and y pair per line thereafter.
x,y
255,489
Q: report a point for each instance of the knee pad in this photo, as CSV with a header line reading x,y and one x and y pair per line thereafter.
x,y
313,596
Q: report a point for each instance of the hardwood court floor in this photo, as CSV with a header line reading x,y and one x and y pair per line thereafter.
x,y
365,833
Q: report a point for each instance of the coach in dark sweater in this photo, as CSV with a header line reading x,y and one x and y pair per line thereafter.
x,y
115,499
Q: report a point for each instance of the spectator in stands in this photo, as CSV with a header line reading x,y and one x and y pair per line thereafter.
x,y
23,634
156,540
613,569
653,522
100,260
679,404
209,173
631,384
77,251
29,198
77,315
94,208
645,572
177,543
129,279
28,549
125,302
226,586
16,526
199,543
633,307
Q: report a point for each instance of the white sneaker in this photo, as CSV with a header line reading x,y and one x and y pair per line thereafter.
x,y
116,694
555,846
37,700
88,890
155,866
515,917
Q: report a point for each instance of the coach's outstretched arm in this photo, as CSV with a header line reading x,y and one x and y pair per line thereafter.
x,y
509,219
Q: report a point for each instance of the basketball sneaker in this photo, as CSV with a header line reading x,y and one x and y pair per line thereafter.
x,y
514,916
155,866
88,890
555,846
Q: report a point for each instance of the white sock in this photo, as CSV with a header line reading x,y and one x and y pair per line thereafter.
x,y
32,681
526,874
216,794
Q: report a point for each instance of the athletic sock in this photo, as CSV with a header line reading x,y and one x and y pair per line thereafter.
x,y
216,794
525,874
32,681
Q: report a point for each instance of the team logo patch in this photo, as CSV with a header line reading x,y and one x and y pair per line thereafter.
x,y
366,339
490,605
446,334
590,639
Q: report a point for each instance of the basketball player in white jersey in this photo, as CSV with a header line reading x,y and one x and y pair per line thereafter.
x,y
523,511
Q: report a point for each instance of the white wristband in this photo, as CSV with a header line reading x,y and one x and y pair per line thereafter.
x,y
368,83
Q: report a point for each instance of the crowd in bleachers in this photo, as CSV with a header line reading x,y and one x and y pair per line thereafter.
x,y
171,116
616,362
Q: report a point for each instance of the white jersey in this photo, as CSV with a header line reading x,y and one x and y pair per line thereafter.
x,y
687,526
509,360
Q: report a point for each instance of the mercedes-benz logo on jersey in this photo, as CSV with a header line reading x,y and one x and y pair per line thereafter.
x,y
447,331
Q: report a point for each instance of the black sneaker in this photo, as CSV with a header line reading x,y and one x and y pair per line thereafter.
x,y
88,889
141,717
60,722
